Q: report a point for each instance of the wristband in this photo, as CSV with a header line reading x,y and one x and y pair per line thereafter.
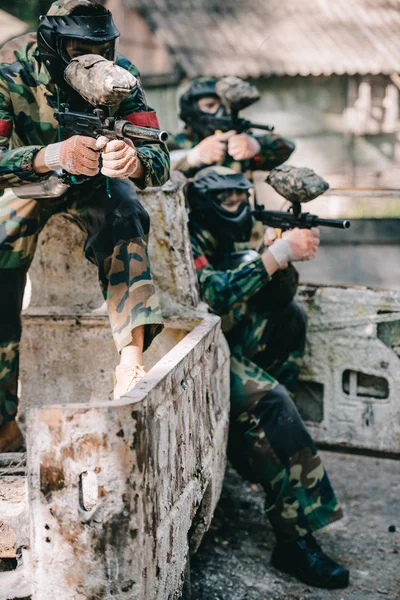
x,y
193,157
52,156
280,250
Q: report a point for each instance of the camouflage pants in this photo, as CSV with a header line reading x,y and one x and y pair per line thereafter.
x,y
116,226
268,442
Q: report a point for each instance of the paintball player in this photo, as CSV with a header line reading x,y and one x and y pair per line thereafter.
x,y
105,205
250,283
201,144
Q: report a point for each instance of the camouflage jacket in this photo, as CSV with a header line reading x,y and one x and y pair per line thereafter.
x,y
28,101
275,150
235,293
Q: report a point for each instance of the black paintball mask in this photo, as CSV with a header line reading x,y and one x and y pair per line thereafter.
x,y
199,121
72,28
205,196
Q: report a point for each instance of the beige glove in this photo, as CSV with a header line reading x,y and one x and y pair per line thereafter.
x,y
295,245
78,155
209,151
120,158
242,146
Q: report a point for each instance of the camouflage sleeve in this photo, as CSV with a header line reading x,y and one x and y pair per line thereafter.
x,y
179,146
222,289
155,157
15,165
275,150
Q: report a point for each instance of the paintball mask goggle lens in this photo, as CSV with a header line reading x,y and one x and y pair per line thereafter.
x,y
232,199
209,104
73,47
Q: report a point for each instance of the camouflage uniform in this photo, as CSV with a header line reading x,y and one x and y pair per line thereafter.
x,y
108,210
265,329
275,150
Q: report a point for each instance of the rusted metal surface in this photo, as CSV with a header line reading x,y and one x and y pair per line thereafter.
x,y
351,377
14,523
67,358
154,460
114,487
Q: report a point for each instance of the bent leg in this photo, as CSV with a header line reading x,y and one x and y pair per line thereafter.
x,y
282,344
270,444
117,228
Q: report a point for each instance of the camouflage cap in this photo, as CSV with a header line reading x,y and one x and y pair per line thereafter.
x,y
297,184
64,7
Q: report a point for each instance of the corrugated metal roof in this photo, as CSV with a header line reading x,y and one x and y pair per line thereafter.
x,y
252,38
10,26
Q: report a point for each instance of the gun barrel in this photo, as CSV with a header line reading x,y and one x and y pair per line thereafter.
x,y
263,127
335,223
149,134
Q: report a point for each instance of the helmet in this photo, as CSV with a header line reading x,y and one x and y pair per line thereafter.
x,y
190,112
79,20
204,198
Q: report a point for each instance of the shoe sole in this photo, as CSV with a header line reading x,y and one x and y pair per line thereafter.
x,y
328,585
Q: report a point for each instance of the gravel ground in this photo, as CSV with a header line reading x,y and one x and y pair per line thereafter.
x,y
233,561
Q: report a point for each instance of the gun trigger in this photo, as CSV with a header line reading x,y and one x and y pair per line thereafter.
x,y
278,233
217,131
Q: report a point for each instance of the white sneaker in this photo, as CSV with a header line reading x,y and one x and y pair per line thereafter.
x,y
126,377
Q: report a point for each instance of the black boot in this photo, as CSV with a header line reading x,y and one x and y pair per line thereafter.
x,y
305,560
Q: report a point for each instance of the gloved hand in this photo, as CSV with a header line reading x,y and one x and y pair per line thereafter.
x,y
209,151
295,245
242,146
120,158
78,155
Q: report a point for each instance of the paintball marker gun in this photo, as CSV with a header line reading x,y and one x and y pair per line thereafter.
x,y
235,94
102,83
296,185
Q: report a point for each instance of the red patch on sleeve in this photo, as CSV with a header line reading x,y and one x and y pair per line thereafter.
x,y
143,119
257,160
5,128
200,262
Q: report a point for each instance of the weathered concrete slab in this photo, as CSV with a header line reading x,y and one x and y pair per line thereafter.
x,y
233,561
351,376
100,493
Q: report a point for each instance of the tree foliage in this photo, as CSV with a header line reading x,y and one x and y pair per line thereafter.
x,y
26,10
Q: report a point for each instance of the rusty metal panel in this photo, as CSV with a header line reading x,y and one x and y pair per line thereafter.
x,y
351,377
106,521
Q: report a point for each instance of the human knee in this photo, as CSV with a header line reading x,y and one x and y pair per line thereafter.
x,y
276,403
129,219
